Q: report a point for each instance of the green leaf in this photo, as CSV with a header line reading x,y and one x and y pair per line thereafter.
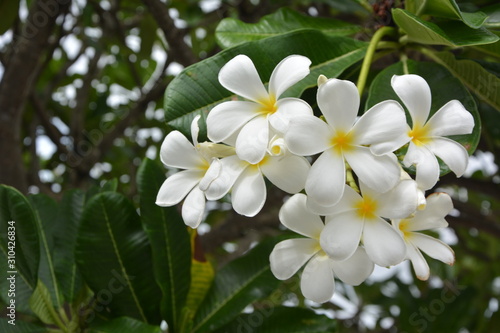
x,y
9,10
46,211
493,13
169,241
68,221
41,304
114,256
196,90
446,33
17,216
444,88
490,49
19,327
236,285
281,319
473,75
231,32
124,324
450,10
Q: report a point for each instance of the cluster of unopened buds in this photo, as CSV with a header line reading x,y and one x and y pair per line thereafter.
x,y
355,205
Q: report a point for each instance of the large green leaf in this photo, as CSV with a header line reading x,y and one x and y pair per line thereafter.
x,y
41,304
17,217
281,319
231,32
46,213
19,327
452,33
68,220
169,241
124,324
473,75
444,88
114,256
493,13
196,90
236,285
450,10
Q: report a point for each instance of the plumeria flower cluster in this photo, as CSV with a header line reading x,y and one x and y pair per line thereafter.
x,y
355,205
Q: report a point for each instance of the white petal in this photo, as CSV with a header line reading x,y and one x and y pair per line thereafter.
x,y
231,169
289,173
308,135
341,235
433,247
453,154
295,216
249,192
383,244
377,172
289,71
338,100
415,94
177,186
355,269
400,202
438,206
317,282
211,174
418,262
427,166
326,179
451,119
383,123
290,255
346,203
227,118
288,108
386,147
316,208
193,208
251,144
176,151
195,129
240,76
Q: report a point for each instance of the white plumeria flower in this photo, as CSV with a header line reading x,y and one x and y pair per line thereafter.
x,y
358,217
286,171
427,136
250,119
201,168
432,217
317,281
341,138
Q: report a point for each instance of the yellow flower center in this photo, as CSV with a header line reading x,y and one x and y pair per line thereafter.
x,y
403,226
268,106
419,135
262,162
342,141
366,207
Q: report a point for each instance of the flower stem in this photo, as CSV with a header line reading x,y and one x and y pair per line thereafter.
x,y
372,47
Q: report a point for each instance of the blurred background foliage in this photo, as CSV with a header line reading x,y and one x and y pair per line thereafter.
x,y
81,105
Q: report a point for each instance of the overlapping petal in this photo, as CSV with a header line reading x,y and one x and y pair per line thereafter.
x,y
426,164
249,192
325,182
288,108
341,235
231,169
225,119
289,71
339,103
355,269
438,206
378,172
193,207
418,262
177,186
433,247
383,244
415,93
308,135
317,282
290,255
253,139
289,173
240,76
398,203
295,216
176,151
453,154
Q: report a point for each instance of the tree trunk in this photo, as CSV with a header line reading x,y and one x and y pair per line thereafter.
x,y
21,62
